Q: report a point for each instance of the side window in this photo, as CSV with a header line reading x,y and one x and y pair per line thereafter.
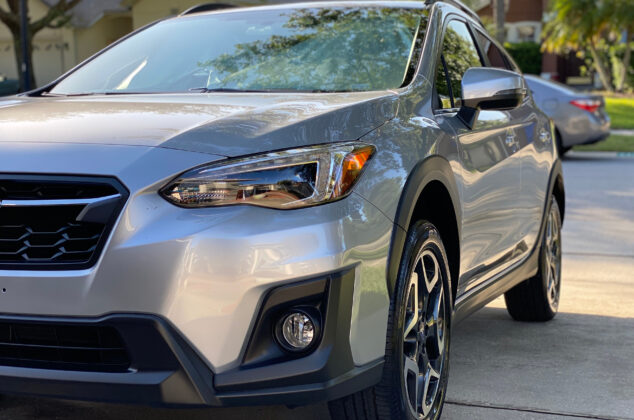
x,y
459,53
492,52
512,64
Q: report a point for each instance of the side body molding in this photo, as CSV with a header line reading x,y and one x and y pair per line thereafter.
x,y
434,168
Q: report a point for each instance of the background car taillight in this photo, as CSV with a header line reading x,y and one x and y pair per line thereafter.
x,y
590,105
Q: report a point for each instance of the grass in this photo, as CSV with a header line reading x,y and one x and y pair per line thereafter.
x,y
614,143
621,111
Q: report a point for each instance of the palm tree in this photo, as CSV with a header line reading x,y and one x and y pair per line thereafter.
x,y
579,24
623,12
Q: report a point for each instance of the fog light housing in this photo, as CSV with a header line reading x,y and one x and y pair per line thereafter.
x,y
298,330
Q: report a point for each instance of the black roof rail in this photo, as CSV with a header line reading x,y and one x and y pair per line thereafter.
x,y
460,5
207,7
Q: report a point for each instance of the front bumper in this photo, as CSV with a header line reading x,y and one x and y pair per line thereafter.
x,y
164,370
202,272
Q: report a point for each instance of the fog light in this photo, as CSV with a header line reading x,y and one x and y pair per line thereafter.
x,y
297,331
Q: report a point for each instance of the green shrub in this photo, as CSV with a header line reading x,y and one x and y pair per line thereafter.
x,y
527,55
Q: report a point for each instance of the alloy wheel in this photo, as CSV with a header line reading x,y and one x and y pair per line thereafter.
x,y
553,257
425,328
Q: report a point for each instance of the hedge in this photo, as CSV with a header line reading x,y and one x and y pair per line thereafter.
x,y
527,55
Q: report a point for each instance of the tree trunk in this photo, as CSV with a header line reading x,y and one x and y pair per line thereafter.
x,y
17,47
498,18
620,83
600,68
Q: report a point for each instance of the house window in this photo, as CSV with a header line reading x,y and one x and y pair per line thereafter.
x,y
523,31
526,33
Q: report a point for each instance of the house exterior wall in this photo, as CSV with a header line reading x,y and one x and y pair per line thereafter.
x,y
519,10
103,33
523,19
148,11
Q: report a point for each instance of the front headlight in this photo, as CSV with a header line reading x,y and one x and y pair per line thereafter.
x,y
283,180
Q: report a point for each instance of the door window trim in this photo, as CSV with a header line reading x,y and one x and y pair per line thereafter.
x,y
508,61
440,60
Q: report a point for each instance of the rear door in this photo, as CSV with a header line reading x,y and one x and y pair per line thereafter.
x,y
491,165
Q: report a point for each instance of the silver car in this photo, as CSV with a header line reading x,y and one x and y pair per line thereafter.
x,y
274,205
579,118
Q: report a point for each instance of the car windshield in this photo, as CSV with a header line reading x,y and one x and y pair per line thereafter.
x,y
315,50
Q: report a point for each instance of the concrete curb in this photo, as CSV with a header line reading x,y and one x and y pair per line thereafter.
x,y
599,155
622,132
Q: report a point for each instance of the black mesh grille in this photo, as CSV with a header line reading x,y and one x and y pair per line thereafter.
x,y
64,347
43,189
49,234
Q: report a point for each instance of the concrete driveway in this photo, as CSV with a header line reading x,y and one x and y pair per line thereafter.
x,y
579,366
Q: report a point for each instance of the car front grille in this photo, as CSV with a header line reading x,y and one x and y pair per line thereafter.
x,y
56,222
63,347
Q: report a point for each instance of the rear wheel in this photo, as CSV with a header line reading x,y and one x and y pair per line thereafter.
x,y
416,365
537,299
560,147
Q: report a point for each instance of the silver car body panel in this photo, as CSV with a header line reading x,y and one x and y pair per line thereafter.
x,y
227,124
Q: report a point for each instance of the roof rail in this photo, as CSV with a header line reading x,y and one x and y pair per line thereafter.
x,y
207,7
460,5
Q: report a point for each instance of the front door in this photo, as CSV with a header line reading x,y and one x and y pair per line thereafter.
x,y
491,166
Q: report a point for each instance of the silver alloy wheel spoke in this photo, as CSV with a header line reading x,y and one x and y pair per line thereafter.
x,y
437,328
430,282
432,379
411,371
413,311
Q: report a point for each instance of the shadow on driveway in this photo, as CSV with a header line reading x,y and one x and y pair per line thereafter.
x,y
576,364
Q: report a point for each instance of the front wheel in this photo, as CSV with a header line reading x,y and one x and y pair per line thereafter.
x,y
416,366
537,299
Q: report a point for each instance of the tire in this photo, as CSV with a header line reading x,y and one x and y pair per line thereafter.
x,y
537,299
424,264
561,150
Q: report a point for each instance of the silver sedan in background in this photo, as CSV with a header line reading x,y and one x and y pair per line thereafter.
x,y
580,118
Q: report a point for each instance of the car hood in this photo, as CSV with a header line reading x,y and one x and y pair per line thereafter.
x,y
226,124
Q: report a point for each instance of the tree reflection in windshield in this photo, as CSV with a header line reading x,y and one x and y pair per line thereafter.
x,y
328,49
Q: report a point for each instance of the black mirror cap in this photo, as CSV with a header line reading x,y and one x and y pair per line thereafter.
x,y
501,101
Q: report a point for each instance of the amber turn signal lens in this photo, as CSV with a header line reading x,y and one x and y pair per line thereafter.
x,y
351,168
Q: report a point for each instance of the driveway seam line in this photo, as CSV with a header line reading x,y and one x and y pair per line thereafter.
x,y
598,254
534,410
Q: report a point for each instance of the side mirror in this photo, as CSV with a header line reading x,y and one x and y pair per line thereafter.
x,y
485,88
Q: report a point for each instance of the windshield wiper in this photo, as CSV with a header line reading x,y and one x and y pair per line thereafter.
x,y
93,93
208,90
200,89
